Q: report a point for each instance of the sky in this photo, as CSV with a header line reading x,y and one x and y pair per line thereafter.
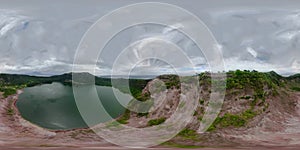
x,y
40,37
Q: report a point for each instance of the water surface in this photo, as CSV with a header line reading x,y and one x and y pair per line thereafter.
x,y
53,105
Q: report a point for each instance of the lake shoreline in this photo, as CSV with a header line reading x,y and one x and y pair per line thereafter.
x,y
59,110
18,114
17,131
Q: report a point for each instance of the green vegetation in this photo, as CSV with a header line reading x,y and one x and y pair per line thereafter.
x,y
158,121
8,91
201,102
142,114
10,112
133,86
170,81
188,134
245,97
295,88
124,118
251,79
141,97
113,124
233,120
9,83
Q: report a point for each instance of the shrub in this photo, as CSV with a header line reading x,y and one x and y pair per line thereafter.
x,y
8,91
10,112
296,88
233,120
154,122
187,133
125,117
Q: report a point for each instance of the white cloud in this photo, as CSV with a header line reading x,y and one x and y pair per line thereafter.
x,y
9,21
252,52
236,63
46,44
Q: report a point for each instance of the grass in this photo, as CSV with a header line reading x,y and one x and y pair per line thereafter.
x,y
125,117
233,120
142,114
295,88
8,91
188,134
158,121
181,105
201,102
248,114
10,112
113,124
171,81
245,97
251,80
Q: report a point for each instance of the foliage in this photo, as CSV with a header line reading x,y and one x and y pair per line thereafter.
x,y
8,91
233,120
295,88
158,121
171,81
250,79
188,133
125,117
11,82
10,111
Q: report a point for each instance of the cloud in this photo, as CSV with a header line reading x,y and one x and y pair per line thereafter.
x,y
10,21
40,45
252,51
36,42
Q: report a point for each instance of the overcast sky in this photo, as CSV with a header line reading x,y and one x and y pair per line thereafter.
x,y
40,37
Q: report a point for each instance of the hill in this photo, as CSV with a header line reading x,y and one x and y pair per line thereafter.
x,y
259,108
9,83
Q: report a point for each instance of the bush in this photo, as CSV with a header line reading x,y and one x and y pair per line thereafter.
x,y
248,114
187,133
8,91
232,120
10,112
296,88
125,117
154,122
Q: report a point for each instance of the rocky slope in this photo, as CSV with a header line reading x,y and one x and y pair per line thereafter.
x,y
258,109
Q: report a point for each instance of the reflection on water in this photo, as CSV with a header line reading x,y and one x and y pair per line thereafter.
x,y
53,105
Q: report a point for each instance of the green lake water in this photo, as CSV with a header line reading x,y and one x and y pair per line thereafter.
x,y
53,106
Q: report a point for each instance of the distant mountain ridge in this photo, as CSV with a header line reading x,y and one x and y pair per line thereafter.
x,y
9,83
137,83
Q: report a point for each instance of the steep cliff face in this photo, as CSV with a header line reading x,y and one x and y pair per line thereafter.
x,y
259,108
